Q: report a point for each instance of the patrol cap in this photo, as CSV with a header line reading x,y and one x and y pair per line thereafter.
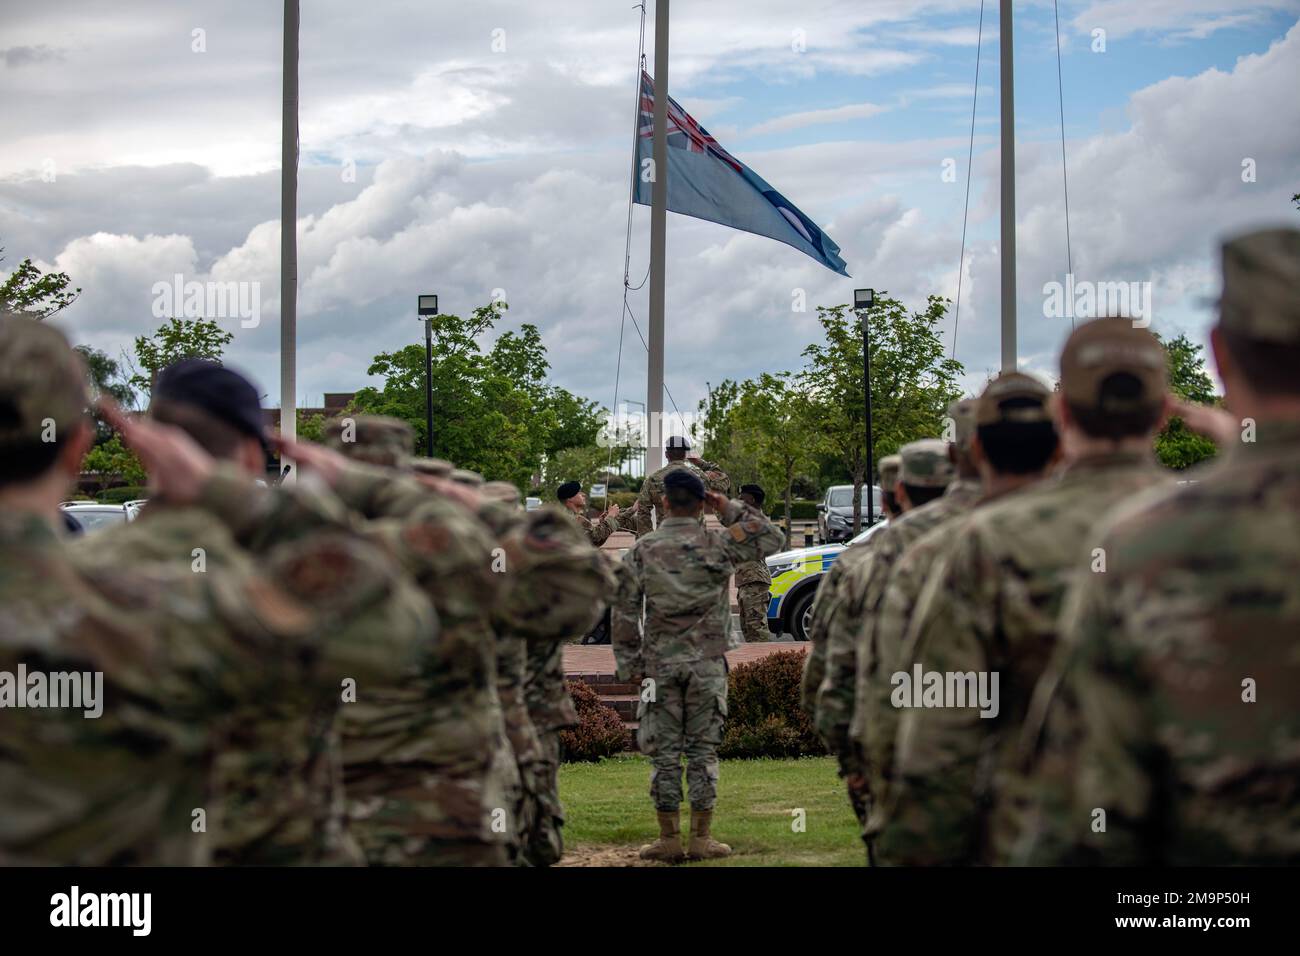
x,y
1104,347
997,404
962,413
567,490
501,491
890,466
437,467
42,380
464,476
677,441
686,480
376,439
1261,286
925,464
221,392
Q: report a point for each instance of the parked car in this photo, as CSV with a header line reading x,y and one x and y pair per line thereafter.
x,y
835,512
133,508
795,577
93,516
532,504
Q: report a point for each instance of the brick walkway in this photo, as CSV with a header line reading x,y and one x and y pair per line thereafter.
x,y
598,659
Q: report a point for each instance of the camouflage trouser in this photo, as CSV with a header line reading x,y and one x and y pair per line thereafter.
x,y
685,716
753,601
544,842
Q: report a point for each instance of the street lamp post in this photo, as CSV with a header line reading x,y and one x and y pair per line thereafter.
x,y
862,301
427,307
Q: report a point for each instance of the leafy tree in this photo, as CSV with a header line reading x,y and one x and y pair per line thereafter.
x,y
177,339
912,382
777,422
493,412
107,377
32,292
111,460
310,425
1176,446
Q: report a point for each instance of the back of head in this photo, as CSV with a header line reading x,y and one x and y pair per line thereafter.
x,y
1259,310
684,491
215,405
374,439
756,492
43,397
1114,379
1014,424
925,469
676,447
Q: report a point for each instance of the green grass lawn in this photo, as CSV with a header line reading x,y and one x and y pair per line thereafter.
x,y
607,804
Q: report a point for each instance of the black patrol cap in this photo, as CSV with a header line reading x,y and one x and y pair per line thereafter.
x,y
219,391
687,480
755,491
567,490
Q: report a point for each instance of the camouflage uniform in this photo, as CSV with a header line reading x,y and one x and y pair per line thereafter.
x,y
753,587
599,531
857,598
178,651
679,572
279,776
652,492
1175,699
428,768
992,607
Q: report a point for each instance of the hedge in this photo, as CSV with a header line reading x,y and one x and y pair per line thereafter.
x,y
117,496
600,731
799,510
764,718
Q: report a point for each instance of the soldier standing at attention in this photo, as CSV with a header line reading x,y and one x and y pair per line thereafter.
x,y
890,466
678,575
753,582
992,606
652,490
1178,714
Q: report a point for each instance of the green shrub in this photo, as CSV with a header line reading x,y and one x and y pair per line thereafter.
x,y
600,731
799,510
764,718
624,499
116,496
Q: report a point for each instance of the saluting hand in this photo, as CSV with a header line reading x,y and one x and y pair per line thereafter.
x,y
178,467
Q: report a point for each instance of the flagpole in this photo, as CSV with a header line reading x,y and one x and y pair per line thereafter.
x,y
654,454
1008,242
289,230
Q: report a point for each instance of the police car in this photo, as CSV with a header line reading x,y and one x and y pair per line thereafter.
x,y
795,576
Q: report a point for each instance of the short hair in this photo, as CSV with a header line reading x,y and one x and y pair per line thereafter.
x,y
1018,448
922,494
1270,367
26,461
681,498
218,438
1131,420
675,454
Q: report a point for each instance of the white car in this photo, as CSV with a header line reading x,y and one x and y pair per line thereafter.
x,y
93,516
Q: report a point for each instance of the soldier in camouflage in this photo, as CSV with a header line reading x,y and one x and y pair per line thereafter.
x,y
678,576
282,795
648,503
927,472
574,501
1173,708
178,651
889,469
1018,452
990,610
753,583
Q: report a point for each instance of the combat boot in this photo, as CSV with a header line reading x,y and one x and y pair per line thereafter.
x,y
668,847
703,846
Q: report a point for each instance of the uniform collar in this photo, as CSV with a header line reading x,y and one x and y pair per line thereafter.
x,y
1109,461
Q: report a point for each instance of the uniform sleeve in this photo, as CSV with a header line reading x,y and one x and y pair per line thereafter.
x,y
599,531
748,534
625,617
941,753
834,709
814,665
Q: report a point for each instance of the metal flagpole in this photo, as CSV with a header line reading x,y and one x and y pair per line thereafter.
x,y
289,231
1008,242
654,454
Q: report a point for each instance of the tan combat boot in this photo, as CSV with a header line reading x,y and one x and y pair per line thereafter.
x,y
668,847
703,846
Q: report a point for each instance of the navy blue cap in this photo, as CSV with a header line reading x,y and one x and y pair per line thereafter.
x,y
687,480
222,393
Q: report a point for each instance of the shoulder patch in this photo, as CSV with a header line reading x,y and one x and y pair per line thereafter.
x,y
736,531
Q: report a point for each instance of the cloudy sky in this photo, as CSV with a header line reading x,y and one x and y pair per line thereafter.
x,y
460,148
